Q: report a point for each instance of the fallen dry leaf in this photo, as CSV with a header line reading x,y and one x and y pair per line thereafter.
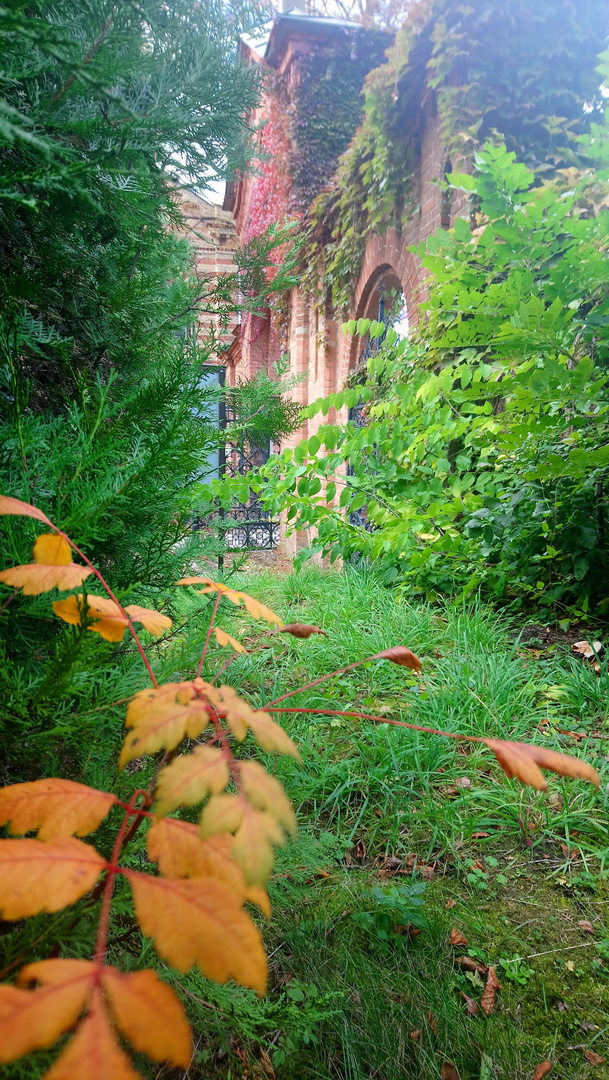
x,y
487,1003
594,1059
449,1072
450,904
542,1070
584,648
470,1004
415,1035
470,964
463,781
586,925
431,1020
457,938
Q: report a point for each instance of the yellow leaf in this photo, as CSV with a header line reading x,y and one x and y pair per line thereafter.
x,y
37,876
266,793
191,778
34,1019
54,807
152,621
230,707
254,841
270,736
525,761
254,607
225,639
35,580
94,1051
8,505
110,622
149,1014
180,852
257,895
200,921
222,814
50,549
162,717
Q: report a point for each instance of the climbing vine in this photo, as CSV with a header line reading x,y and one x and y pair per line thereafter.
x,y
525,72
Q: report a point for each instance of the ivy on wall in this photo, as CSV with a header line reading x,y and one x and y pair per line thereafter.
x,y
524,72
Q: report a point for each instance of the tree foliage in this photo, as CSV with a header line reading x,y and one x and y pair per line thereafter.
x,y
484,457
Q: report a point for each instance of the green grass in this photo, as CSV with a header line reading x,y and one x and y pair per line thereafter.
x,y
346,990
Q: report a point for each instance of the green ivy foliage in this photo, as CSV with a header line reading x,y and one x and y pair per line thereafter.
x,y
521,72
326,106
484,461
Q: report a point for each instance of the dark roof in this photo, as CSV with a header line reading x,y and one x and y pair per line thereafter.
x,y
285,24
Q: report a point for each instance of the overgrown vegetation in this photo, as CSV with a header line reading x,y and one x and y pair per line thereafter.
x,y
520,73
483,459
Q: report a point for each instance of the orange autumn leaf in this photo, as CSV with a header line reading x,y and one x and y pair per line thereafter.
x,y
255,839
160,718
34,1019
457,938
109,622
225,639
266,793
542,1070
52,568
399,654
257,895
180,852
190,778
200,921
94,1051
36,876
254,607
54,807
149,1015
525,761
8,505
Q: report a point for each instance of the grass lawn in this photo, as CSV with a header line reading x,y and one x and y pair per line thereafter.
x,y
382,809
405,840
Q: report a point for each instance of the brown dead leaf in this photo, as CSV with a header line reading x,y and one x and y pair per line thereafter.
x,y
399,654
525,761
542,1070
470,1004
480,835
301,630
488,998
450,904
415,1035
457,938
463,782
594,1059
449,1072
431,1022
586,925
469,964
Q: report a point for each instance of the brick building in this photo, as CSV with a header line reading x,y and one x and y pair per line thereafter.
x,y
309,332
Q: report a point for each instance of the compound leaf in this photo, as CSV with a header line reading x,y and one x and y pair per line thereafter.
x,y
55,807
149,1014
200,921
37,876
254,607
190,778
